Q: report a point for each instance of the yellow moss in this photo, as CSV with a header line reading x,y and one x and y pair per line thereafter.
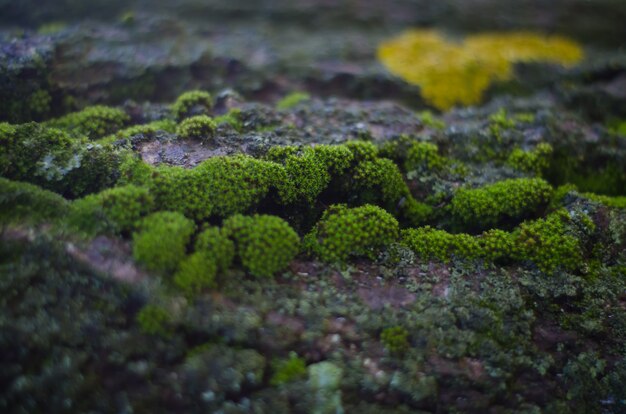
x,y
451,73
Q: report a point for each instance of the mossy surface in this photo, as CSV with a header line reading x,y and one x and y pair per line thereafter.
x,y
347,252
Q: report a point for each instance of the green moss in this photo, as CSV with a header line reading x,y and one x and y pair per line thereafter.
x,y
21,202
288,370
216,245
307,177
613,202
395,339
382,178
220,186
196,273
192,103
115,210
93,122
133,170
535,162
362,150
154,320
430,243
343,232
336,158
424,157
550,243
98,169
427,118
51,28
161,242
380,182
512,199
498,245
148,131
29,151
264,244
618,127
292,100
56,161
39,103
197,127
233,118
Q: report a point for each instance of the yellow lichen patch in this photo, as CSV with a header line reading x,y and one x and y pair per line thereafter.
x,y
451,73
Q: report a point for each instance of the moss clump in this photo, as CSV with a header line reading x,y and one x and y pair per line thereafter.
x,y
424,157
52,159
459,73
343,232
613,202
288,370
550,243
154,320
336,158
498,245
533,162
196,272
216,245
161,241
430,243
192,103
292,100
493,204
381,182
30,151
93,122
362,150
197,127
21,202
232,118
147,131
395,339
220,186
264,244
306,177
115,210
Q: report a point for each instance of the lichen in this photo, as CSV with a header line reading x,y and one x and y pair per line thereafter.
x,y
459,72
